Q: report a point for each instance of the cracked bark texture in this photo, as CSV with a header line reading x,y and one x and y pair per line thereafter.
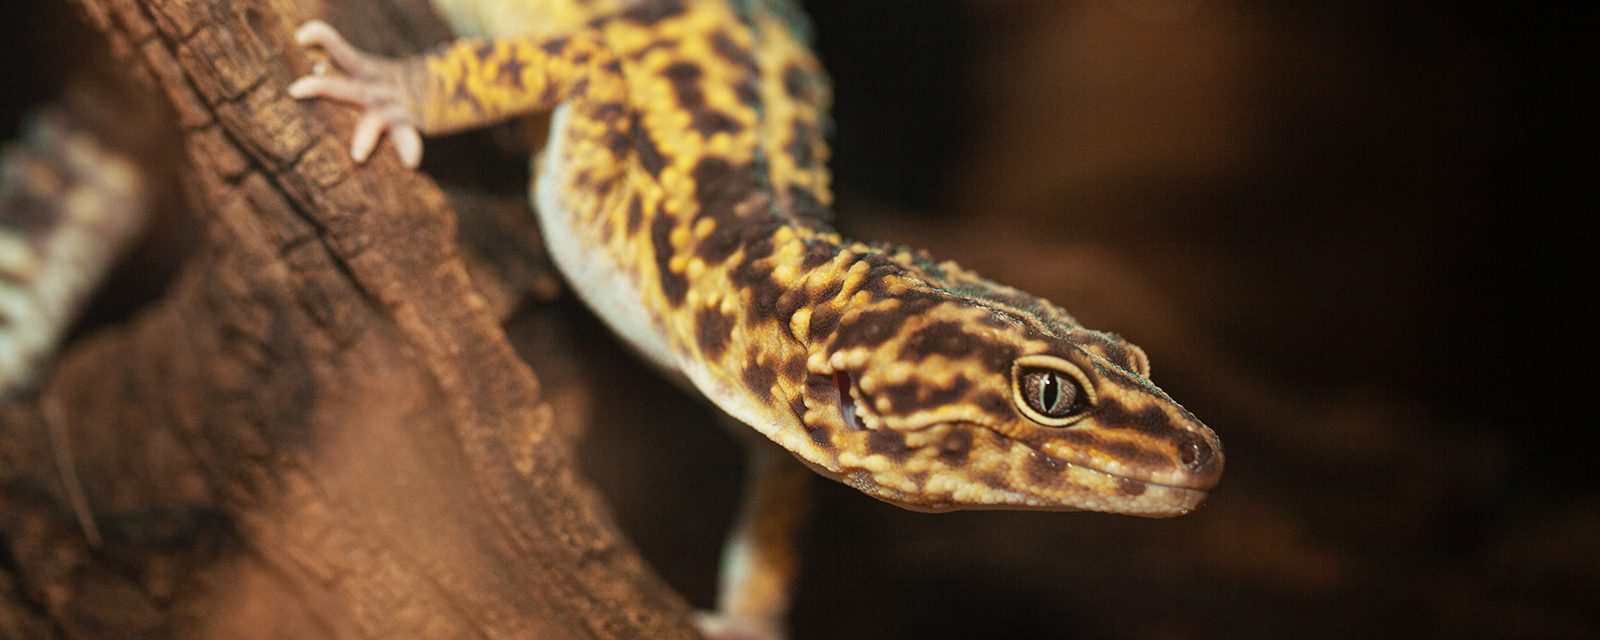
x,y
321,430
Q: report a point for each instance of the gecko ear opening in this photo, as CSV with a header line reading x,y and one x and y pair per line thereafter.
x,y
847,402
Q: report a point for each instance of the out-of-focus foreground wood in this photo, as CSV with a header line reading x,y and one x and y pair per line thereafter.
x,y
321,430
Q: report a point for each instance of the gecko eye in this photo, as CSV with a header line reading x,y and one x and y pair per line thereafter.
x,y
1050,391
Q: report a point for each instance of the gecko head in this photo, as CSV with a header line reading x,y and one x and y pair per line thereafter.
x,y
938,400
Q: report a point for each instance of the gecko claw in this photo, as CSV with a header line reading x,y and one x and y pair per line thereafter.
x,y
408,144
365,139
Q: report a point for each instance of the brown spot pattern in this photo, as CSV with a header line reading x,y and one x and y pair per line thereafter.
x,y
1042,470
635,214
944,338
797,84
759,379
645,149
673,285
955,447
710,122
888,443
654,11
713,331
725,192
685,80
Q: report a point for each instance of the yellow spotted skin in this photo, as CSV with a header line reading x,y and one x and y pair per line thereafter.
x,y
683,193
685,196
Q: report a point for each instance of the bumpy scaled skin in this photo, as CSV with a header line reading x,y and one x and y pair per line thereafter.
x,y
683,194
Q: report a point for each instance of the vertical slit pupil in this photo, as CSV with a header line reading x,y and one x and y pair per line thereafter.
x,y
1052,394
1049,393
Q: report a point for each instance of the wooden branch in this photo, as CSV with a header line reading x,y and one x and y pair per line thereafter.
x,y
321,431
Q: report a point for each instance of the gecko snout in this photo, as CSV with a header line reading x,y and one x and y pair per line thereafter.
x,y
1201,457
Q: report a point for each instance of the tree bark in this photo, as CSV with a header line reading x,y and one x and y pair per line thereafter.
x,y
321,430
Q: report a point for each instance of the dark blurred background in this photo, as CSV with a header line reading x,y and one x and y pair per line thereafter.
x,y
1353,237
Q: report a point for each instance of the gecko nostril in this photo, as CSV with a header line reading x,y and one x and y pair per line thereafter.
x,y
1194,453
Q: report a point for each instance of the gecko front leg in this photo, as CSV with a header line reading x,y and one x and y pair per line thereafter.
x,y
466,84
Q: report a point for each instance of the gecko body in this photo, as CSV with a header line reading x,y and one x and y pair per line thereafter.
x,y
683,194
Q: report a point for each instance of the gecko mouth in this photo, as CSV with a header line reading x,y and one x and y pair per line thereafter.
x,y
847,402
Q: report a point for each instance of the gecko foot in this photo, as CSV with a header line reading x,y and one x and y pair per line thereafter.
x,y
375,83
719,626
